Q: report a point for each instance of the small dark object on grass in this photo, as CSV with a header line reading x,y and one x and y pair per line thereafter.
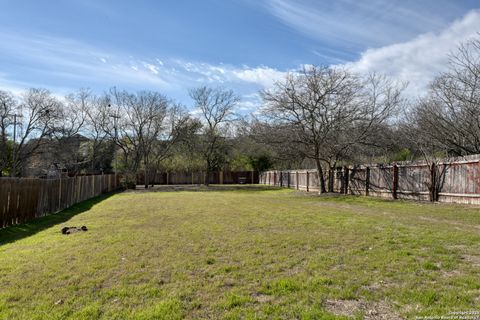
x,y
68,230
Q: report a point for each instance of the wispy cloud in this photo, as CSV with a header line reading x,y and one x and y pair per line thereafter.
x,y
64,64
46,57
354,24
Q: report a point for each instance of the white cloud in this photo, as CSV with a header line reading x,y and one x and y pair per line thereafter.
x,y
153,68
263,76
418,61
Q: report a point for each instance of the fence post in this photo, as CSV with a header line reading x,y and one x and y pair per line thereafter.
x,y
296,178
93,185
167,177
308,181
220,177
367,181
433,182
346,178
288,179
252,175
59,194
395,182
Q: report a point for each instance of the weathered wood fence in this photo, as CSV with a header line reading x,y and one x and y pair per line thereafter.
x,y
215,177
24,199
452,180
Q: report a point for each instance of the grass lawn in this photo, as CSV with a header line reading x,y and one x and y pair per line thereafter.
x,y
249,254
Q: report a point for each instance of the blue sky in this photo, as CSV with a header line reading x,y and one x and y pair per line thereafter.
x,y
171,46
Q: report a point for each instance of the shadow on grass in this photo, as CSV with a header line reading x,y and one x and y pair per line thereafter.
x,y
203,188
17,232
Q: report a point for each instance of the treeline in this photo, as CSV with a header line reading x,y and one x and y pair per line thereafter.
x,y
125,132
320,117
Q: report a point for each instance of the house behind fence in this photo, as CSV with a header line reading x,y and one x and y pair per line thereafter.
x,y
454,180
24,199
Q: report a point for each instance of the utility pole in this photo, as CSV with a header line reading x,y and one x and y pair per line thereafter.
x,y
14,150
115,117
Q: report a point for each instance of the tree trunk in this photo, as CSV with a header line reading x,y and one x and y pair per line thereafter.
x,y
145,173
207,176
433,183
331,173
321,178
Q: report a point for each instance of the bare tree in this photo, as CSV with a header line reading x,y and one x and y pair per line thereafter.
x,y
216,112
426,149
329,111
101,149
312,103
450,114
140,120
69,125
37,111
8,105
179,126
73,114
275,137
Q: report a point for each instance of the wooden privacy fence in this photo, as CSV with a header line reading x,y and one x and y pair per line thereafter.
x,y
452,180
215,177
24,199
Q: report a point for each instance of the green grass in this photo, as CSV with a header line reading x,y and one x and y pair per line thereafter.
x,y
242,254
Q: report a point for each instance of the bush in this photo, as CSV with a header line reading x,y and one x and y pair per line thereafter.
x,y
128,181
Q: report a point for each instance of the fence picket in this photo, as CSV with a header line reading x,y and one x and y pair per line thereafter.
x,y
455,180
24,199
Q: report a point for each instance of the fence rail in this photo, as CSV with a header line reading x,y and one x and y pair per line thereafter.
x,y
24,199
455,180
215,177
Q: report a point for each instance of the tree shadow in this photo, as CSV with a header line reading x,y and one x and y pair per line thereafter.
x,y
202,188
18,232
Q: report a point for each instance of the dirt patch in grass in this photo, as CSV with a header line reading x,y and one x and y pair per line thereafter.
x,y
344,307
477,299
471,259
370,311
451,273
263,298
380,311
